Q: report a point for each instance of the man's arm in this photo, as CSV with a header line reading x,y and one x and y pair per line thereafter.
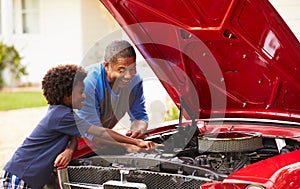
x,y
93,95
138,114
129,147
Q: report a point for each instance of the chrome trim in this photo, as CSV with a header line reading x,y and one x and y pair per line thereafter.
x,y
119,184
62,175
84,185
252,120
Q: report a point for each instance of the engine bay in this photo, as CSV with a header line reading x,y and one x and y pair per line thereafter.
x,y
188,152
222,152
192,153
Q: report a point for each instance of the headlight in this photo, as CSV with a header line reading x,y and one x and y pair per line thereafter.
x,y
252,186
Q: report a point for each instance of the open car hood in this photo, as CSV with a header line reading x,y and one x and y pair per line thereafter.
x,y
230,58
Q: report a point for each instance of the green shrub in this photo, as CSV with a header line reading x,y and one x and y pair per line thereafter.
x,y
11,59
172,113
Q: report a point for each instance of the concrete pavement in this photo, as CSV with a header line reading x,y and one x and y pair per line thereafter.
x,y
15,125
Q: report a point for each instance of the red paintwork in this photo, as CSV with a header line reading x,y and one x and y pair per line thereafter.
x,y
220,185
278,172
230,58
267,131
85,147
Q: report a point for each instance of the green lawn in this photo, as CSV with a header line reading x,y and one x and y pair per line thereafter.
x,y
18,100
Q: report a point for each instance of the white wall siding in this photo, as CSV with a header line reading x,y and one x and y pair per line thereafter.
x,y
59,41
68,29
98,29
290,12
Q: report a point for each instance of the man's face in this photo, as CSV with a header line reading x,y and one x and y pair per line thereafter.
x,y
121,72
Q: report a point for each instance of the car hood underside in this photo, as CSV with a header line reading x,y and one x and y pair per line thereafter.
x,y
235,58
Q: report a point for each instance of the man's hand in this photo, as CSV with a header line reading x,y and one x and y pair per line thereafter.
x,y
138,129
136,134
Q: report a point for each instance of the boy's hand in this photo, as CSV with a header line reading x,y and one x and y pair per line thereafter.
x,y
64,158
147,144
132,148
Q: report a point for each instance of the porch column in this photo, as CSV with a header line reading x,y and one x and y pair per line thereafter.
x,y
7,21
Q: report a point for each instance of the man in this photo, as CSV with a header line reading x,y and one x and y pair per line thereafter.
x,y
114,88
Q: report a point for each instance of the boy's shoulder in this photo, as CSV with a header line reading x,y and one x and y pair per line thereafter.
x,y
59,110
55,114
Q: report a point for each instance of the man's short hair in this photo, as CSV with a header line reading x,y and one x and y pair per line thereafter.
x,y
118,49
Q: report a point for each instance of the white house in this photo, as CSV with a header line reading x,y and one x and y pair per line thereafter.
x,y
49,33
289,11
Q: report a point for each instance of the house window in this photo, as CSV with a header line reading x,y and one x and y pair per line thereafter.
x,y
0,17
26,16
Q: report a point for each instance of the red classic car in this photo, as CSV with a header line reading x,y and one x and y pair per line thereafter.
x,y
232,67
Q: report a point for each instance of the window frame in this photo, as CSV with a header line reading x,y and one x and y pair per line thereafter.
x,y
19,12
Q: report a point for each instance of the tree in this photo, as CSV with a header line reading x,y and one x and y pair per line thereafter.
x,y
11,59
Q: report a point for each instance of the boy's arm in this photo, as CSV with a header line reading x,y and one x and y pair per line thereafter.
x,y
129,147
64,158
111,135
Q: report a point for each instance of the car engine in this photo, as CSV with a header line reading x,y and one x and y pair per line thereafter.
x,y
187,160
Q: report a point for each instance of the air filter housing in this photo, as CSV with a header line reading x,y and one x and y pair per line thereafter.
x,y
230,142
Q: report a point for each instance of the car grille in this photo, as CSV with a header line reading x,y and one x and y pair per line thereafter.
x,y
153,180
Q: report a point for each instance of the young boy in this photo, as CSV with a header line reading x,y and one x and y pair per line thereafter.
x,y
33,162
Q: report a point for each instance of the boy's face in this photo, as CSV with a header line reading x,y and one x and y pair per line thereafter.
x,y
121,72
78,95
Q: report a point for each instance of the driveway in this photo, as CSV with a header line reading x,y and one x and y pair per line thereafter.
x,y
15,125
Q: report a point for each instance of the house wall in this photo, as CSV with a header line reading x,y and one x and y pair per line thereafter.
x,y
58,42
68,29
98,29
289,11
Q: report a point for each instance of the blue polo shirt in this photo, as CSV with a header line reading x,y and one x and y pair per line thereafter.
x,y
33,160
103,107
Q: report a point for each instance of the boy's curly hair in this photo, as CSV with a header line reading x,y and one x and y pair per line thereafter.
x,y
59,82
